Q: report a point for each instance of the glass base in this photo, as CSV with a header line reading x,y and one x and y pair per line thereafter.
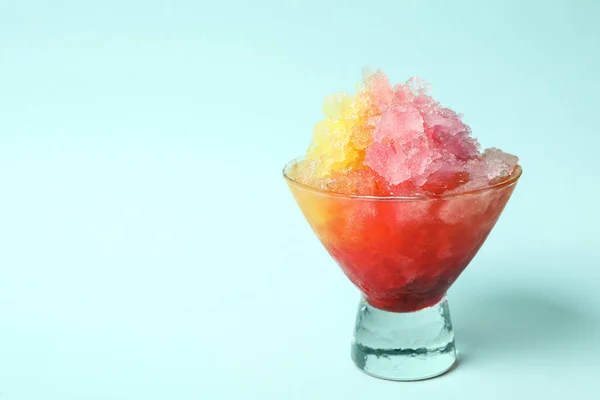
x,y
404,346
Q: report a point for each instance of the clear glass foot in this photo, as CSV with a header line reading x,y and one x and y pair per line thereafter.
x,y
404,346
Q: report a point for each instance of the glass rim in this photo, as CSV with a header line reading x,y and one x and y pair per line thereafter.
x,y
512,179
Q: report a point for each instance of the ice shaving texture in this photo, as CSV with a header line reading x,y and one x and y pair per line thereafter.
x,y
396,141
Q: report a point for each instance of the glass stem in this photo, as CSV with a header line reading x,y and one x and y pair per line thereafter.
x,y
404,346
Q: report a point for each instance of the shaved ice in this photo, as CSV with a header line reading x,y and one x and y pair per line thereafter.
x,y
396,141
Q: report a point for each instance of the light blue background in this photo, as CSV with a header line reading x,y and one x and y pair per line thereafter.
x,y
150,249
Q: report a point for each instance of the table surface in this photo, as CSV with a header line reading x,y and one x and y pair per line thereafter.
x,y
151,250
